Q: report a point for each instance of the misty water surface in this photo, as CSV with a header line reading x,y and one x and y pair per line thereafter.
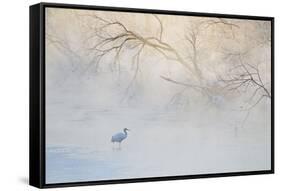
x,y
161,143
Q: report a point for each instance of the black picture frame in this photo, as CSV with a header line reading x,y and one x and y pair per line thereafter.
x,y
37,95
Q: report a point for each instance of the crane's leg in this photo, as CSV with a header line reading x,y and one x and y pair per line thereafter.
x,y
114,147
119,145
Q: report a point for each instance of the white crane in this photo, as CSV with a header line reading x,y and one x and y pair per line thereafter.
x,y
119,137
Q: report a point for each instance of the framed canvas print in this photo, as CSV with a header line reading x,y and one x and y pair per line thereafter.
x,y
121,95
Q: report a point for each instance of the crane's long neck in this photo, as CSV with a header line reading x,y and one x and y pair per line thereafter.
x,y
125,131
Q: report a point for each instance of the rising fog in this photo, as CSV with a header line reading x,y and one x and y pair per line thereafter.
x,y
194,91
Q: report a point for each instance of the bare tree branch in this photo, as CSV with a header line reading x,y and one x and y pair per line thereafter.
x,y
195,87
244,75
161,27
192,39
